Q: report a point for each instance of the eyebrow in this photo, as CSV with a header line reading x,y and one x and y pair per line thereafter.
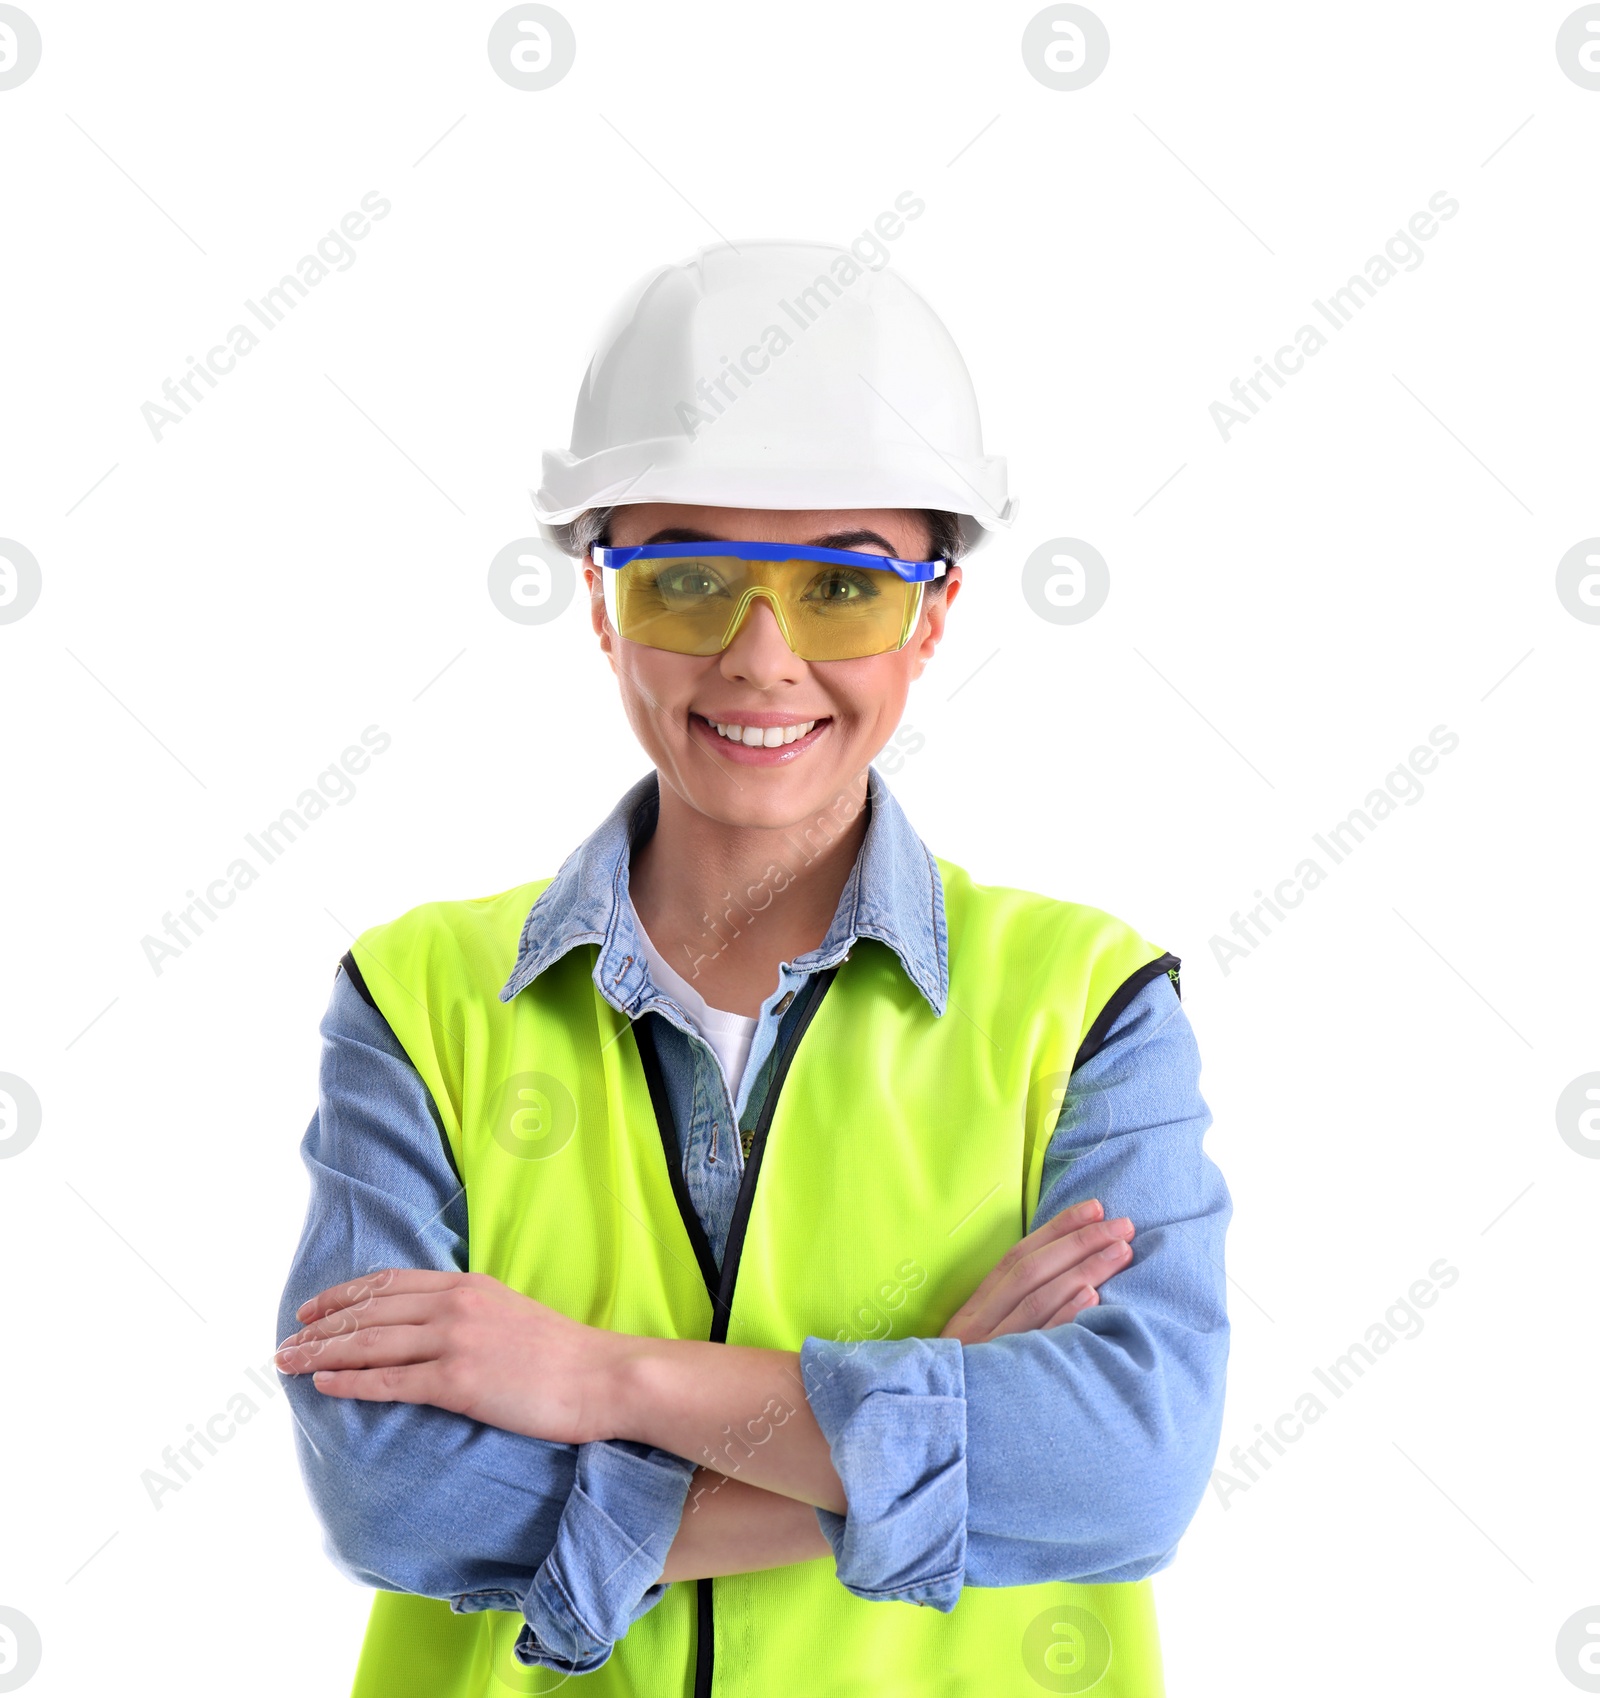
x,y
834,539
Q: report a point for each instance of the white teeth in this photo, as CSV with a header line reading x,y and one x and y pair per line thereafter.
x,y
762,737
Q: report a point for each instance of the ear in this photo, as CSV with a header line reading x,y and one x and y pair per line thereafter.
x,y
935,612
597,612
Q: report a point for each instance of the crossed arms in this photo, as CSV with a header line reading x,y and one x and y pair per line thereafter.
x,y
465,1430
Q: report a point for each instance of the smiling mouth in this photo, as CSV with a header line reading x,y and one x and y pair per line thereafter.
x,y
761,736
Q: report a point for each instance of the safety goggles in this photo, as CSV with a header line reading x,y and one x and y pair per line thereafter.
x,y
830,603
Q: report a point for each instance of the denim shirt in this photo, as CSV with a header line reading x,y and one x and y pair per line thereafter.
x,y
1078,1452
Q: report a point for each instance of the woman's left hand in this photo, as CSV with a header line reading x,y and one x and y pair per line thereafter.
x,y
460,1341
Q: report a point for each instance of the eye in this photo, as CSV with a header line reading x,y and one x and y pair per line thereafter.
x,y
683,581
841,589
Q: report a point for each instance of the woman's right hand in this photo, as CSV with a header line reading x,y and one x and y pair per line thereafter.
x,y
1047,1278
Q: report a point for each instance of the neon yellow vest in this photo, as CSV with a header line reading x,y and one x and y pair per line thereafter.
x,y
902,1157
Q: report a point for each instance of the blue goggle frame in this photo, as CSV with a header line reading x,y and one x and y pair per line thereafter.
x,y
911,571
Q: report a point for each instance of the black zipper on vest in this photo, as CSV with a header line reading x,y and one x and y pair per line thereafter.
x,y
721,1289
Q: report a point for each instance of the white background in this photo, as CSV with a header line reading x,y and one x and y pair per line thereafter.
x,y
225,609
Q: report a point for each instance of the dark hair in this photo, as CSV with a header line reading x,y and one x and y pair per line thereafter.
x,y
578,536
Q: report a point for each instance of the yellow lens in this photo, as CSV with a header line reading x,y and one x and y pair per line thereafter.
x,y
695,604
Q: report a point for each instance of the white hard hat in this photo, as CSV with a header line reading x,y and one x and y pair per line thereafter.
x,y
776,375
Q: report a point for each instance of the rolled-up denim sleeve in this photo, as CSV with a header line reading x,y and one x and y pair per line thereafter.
x,y
1078,1452
599,1578
417,1499
894,1414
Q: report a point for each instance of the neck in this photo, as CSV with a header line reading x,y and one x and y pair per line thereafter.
x,y
725,904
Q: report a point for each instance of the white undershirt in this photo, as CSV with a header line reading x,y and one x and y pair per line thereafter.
x,y
729,1035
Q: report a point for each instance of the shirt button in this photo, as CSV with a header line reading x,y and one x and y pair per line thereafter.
x,y
783,1003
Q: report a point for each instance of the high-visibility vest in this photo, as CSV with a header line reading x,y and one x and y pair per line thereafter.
x,y
898,1156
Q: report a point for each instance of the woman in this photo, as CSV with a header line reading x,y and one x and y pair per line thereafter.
x,y
752,1203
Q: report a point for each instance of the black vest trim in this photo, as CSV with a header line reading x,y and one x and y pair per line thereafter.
x,y
353,973
1094,1039
721,1287
661,1102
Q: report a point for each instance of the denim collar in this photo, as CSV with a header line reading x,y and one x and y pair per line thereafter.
x,y
893,894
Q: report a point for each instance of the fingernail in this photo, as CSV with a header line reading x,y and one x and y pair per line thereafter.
x,y
301,1312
